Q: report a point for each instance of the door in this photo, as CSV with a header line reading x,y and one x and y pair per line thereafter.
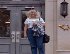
x,y
12,39
22,44
7,32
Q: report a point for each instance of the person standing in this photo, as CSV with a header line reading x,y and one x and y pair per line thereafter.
x,y
36,41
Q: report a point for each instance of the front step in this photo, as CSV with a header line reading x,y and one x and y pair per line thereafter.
x,y
63,51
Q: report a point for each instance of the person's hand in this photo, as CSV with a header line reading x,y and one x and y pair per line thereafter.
x,y
25,35
34,24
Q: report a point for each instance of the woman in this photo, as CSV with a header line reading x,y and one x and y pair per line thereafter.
x,y
36,41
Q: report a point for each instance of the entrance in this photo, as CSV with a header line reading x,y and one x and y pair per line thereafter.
x,y
12,39
6,37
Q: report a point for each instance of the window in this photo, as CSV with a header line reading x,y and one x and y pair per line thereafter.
x,y
4,23
23,20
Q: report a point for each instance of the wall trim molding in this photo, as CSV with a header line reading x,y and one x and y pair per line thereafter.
x,y
62,50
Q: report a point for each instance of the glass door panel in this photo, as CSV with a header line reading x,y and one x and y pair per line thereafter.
x,y
4,23
24,17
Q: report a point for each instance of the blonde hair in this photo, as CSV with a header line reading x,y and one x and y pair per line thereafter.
x,y
37,13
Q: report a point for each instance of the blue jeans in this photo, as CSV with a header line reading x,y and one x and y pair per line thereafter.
x,y
35,42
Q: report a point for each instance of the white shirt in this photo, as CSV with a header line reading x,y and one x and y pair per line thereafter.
x,y
30,21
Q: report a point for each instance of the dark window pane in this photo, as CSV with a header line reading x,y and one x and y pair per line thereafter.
x,y
23,20
4,23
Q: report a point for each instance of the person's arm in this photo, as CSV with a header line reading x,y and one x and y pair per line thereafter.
x,y
25,30
25,27
43,22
